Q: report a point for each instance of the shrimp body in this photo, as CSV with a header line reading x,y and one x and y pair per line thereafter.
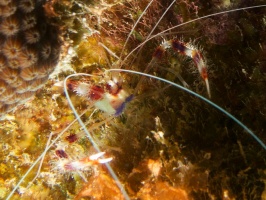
x,y
110,97
67,165
188,50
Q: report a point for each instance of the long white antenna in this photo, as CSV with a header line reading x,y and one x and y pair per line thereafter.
x,y
198,96
94,144
190,21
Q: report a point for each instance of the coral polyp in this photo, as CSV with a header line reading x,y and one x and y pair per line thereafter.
x,y
133,136
22,34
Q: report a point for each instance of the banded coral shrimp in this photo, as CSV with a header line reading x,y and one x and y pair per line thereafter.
x,y
147,146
